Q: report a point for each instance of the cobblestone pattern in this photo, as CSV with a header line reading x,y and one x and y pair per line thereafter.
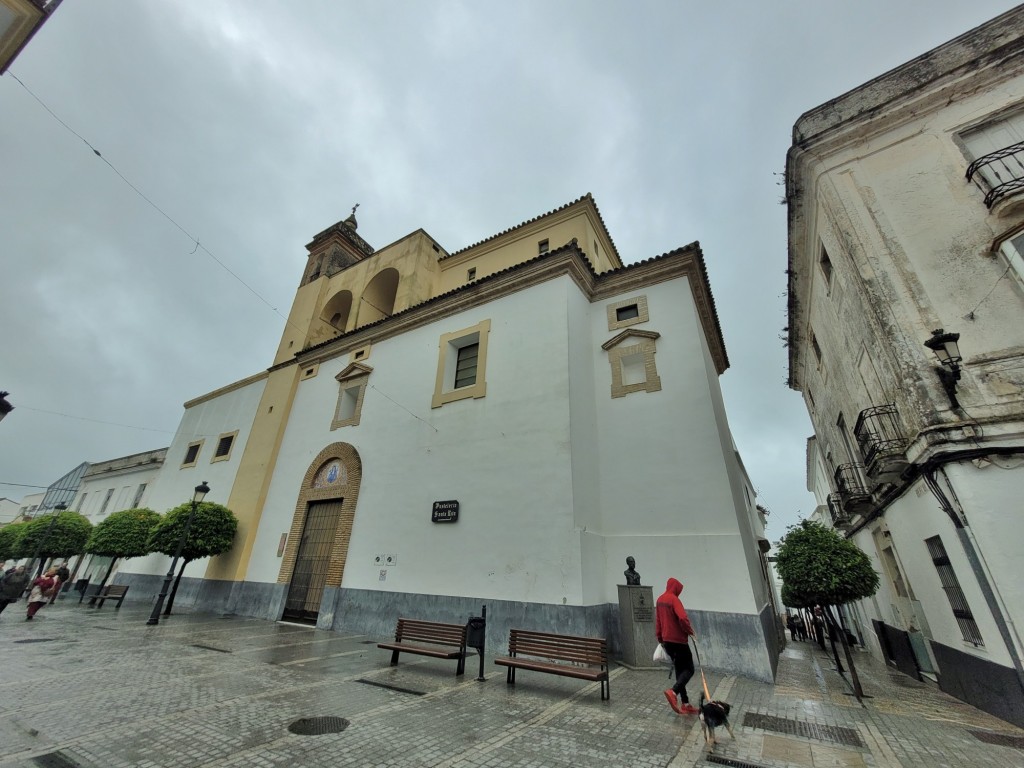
x,y
108,691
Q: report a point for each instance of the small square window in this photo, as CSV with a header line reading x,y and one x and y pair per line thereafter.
x,y
542,247
471,273
359,354
627,313
192,454
225,443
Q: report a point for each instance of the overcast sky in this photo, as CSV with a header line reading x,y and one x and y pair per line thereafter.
x,y
254,125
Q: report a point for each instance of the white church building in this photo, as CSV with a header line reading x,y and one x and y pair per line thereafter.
x,y
501,425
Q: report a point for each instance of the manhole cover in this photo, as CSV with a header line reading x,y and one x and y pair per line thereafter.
x,y
1001,739
834,733
55,760
36,640
731,761
316,726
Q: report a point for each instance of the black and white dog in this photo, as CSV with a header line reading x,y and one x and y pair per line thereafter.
x,y
712,715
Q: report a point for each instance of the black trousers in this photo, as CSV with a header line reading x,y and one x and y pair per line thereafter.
x,y
682,661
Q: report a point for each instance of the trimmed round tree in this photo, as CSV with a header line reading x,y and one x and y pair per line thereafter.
x,y
61,534
9,536
819,567
122,534
212,532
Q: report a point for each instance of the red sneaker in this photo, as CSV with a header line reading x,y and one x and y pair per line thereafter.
x,y
688,709
673,701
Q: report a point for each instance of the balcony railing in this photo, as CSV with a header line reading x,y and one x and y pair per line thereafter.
x,y
999,174
854,496
882,442
840,519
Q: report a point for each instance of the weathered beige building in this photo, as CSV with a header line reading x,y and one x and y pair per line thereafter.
x,y
906,226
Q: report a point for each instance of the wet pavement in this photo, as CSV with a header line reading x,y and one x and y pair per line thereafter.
x,y
99,688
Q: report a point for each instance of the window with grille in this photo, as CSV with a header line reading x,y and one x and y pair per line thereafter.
x,y
465,366
138,495
955,595
192,454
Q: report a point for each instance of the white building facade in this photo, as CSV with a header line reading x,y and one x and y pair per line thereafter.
x,y
906,225
502,425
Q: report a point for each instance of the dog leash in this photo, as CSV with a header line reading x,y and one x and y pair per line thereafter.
x,y
704,680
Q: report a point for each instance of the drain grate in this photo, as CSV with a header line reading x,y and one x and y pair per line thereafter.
x,y
317,726
833,733
398,688
731,761
56,760
36,640
210,648
1000,739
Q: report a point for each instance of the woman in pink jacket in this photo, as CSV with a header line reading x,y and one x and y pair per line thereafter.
x,y
673,629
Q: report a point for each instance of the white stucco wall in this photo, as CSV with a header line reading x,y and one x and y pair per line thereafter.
x,y
175,485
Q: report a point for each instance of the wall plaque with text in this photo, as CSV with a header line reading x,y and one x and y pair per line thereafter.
x,y
445,512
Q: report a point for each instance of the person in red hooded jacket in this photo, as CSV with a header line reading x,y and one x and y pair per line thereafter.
x,y
673,629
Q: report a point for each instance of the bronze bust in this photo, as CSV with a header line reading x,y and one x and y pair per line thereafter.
x,y
632,577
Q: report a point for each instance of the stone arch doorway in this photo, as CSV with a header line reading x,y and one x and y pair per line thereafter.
x,y
314,557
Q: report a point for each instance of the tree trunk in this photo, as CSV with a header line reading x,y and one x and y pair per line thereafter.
x,y
829,629
174,589
858,691
110,569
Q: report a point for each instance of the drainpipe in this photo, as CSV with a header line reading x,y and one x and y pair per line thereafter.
x,y
967,541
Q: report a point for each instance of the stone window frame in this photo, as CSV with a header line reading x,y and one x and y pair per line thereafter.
x,y
353,376
198,444
360,354
643,315
231,446
448,346
310,371
643,346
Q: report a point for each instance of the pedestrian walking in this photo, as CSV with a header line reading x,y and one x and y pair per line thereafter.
x,y
41,590
801,626
673,629
12,585
791,626
63,574
819,627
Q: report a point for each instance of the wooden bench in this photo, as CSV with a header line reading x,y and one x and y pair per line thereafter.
x,y
443,641
111,592
585,658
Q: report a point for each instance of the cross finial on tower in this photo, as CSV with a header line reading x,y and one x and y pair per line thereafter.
x,y
354,209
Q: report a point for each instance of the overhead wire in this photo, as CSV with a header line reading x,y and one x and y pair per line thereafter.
x,y
152,204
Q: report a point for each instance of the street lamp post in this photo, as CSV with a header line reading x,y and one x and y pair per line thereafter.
x,y
46,534
197,497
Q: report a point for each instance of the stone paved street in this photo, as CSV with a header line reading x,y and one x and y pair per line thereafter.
x,y
100,688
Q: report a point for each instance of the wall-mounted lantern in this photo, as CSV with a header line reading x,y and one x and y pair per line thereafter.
x,y
945,347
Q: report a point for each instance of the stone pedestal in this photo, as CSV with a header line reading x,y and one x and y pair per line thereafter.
x,y
636,619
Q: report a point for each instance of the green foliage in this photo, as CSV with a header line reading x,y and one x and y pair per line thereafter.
x,y
9,536
123,534
820,567
60,535
212,531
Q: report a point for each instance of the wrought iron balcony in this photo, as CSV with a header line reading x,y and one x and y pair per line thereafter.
x,y
854,496
840,519
999,174
882,443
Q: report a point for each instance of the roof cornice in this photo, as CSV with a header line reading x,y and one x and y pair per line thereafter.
x,y
687,261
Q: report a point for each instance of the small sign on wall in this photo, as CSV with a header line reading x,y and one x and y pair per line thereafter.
x,y
445,512
280,546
